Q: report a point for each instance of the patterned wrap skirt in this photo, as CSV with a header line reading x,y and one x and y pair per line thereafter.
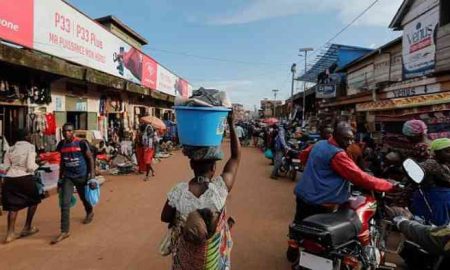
x,y
213,254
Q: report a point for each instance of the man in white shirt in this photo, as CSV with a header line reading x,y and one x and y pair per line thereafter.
x,y
240,133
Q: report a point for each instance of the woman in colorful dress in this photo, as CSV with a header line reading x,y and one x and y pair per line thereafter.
x,y
203,243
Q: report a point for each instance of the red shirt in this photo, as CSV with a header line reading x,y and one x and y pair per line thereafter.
x,y
343,165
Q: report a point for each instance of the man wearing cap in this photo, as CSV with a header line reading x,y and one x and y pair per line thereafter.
x,y
436,185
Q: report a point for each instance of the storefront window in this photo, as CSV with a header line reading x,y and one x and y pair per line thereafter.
x,y
78,119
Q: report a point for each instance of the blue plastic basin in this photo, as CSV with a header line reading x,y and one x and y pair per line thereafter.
x,y
201,126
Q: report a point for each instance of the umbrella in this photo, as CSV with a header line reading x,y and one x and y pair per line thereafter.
x,y
155,122
270,121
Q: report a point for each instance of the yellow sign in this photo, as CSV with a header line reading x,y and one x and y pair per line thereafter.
x,y
407,102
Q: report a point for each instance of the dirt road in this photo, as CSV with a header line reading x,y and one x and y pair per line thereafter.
x,y
127,228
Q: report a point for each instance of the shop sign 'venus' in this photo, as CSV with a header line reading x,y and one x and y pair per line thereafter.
x,y
419,45
414,91
56,28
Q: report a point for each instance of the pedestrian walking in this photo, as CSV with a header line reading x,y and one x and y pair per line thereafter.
x,y
149,142
20,189
195,211
240,132
76,168
139,149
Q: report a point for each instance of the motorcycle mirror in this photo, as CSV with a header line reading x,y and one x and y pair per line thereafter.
x,y
413,170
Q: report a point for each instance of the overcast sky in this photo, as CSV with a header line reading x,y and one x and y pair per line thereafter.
x,y
245,47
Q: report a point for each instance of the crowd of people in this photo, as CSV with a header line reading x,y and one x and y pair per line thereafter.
x,y
336,158
333,161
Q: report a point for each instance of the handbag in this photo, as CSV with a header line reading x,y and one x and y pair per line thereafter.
x,y
165,246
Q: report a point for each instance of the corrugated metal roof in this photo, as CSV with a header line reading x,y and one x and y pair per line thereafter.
x,y
332,55
378,50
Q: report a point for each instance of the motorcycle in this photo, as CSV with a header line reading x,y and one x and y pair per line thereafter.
x,y
412,253
350,238
291,164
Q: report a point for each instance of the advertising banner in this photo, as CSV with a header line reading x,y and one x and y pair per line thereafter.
x,y
149,72
169,83
419,45
16,22
62,31
56,28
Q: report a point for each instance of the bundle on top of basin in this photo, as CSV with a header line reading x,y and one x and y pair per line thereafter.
x,y
201,123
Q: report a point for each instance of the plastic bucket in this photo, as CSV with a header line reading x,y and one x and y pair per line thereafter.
x,y
201,126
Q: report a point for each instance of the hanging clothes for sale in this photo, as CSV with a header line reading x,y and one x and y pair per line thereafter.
x,y
50,124
50,133
31,122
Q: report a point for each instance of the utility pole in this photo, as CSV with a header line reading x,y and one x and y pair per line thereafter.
x,y
305,50
293,70
275,91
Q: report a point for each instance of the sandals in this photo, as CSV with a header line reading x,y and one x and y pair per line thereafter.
x,y
89,218
29,232
59,238
10,238
24,233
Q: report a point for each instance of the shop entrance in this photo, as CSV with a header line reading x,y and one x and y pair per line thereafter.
x,y
115,126
12,118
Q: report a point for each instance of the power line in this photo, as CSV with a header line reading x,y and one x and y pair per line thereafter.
x,y
215,58
346,27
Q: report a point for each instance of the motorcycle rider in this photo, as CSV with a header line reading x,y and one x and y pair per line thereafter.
x,y
435,240
436,185
325,183
281,148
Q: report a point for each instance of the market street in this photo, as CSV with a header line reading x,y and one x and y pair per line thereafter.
x,y
127,228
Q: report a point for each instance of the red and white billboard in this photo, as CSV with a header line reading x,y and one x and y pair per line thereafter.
x,y
171,84
16,22
56,28
149,72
